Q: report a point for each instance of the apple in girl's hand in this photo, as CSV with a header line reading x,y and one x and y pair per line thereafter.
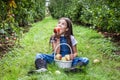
x,y
56,29
58,56
67,57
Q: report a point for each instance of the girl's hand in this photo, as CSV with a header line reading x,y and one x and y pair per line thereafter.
x,y
57,35
72,56
55,43
57,31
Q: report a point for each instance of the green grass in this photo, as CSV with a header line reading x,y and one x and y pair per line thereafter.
x,y
16,63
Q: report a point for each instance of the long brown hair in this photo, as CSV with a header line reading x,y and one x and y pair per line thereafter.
x,y
70,30
67,33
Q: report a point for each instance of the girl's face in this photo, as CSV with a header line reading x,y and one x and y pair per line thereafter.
x,y
63,26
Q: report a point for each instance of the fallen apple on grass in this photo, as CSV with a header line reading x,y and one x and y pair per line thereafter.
x,y
96,61
57,72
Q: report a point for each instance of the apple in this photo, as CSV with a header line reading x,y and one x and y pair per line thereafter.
x,y
67,57
96,61
56,29
57,72
7,38
63,59
0,45
13,34
58,56
14,38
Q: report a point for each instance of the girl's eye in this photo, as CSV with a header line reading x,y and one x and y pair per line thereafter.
x,y
63,24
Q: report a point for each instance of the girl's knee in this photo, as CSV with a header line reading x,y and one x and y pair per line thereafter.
x,y
39,55
85,60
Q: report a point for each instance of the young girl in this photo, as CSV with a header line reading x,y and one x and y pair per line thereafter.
x,y
65,35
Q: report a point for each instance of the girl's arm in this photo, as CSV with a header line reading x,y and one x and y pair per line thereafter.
x,y
74,54
54,44
74,47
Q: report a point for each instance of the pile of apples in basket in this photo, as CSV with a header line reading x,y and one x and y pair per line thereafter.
x,y
65,58
63,62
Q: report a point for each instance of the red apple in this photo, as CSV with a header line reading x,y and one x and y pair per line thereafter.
x,y
56,29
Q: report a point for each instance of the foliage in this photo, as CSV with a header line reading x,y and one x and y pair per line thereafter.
x,y
16,14
101,14
20,13
28,11
9,30
58,8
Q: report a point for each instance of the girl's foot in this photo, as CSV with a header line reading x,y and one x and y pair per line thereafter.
x,y
41,70
73,70
38,71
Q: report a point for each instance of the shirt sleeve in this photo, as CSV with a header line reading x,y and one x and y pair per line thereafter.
x,y
73,40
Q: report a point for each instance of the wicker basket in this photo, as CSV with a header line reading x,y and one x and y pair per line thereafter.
x,y
60,63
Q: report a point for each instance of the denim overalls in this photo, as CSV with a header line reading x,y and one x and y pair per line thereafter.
x,y
64,49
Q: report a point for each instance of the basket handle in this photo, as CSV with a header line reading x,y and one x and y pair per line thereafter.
x,y
59,45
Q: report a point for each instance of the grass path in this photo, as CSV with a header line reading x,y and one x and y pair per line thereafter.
x,y
16,64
